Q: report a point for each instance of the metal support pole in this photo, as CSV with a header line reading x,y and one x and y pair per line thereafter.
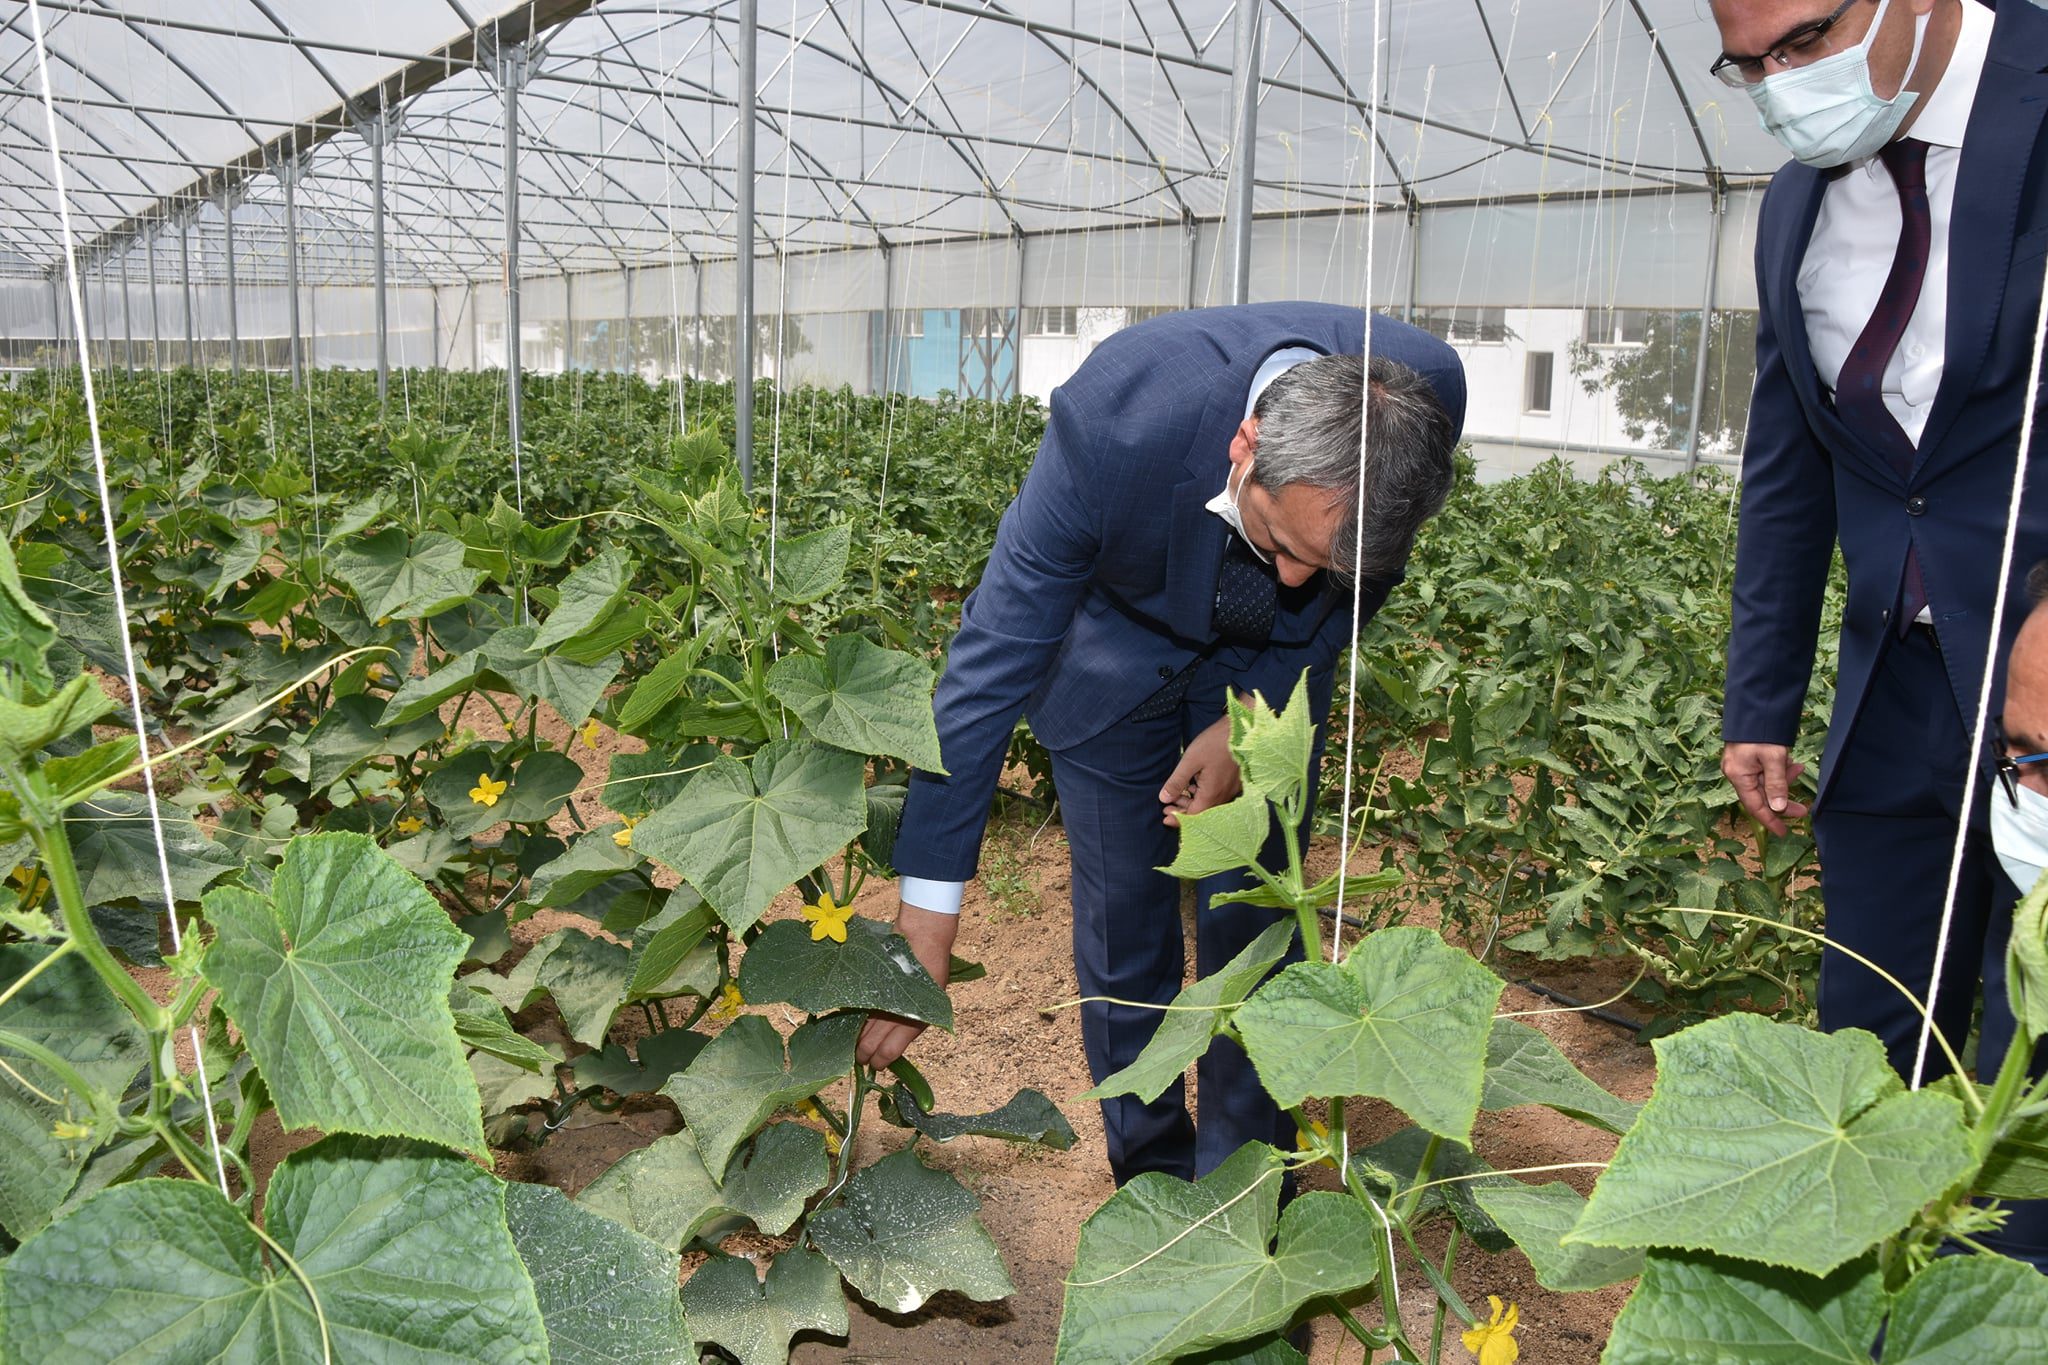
x,y
1414,258
288,176
434,341
156,328
1244,94
1017,347
1716,207
888,319
512,75
185,270
568,323
626,342
697,360
743,246
127,322
476,362
227,208
56,326
1191,233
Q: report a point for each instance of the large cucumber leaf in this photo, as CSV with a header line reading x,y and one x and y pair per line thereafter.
x,y
1167,1269
743,833
729,1304
1406,1019
338,981
863,697
1769,1142
406,1247
905,1231
1697,1309
1524,1067
873,970
606,1293
664,1191
741,1078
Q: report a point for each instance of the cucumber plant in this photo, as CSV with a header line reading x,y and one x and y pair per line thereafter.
x,y
1781,1196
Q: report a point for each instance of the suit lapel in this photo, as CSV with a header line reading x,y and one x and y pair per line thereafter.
x,y
1809,188
1990,178
1196,538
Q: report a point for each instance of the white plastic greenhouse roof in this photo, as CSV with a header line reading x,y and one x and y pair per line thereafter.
x,y
880,122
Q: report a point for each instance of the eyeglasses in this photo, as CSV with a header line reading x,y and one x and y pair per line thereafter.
x,y
1742,71
2006,765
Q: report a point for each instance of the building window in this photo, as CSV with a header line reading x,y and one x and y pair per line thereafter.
x,y
1479,323
1536,381
1617,327
910,323
985,322
1052,322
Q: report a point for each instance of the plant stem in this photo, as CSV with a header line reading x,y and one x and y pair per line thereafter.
x,y
53,846
1436,1328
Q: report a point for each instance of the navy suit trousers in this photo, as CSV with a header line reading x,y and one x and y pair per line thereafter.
x,y
1886,836
1128,937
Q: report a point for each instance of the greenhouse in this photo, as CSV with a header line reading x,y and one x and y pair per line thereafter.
x,y
522,603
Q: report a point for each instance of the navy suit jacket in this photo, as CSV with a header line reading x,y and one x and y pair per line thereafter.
x,y
1809,480
1103,577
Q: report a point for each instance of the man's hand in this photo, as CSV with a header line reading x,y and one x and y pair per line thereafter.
x,y
930,936
1762,775
1206,776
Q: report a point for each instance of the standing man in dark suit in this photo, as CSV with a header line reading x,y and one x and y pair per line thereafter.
x,y
1899,267
1188,527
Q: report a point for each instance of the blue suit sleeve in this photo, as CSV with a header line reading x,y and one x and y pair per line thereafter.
x,y
1784,546
1011,630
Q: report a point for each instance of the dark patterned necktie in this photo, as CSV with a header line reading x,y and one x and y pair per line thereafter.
x,y
1246,595
1859,393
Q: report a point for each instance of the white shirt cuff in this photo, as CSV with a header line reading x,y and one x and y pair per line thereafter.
x,y
941,898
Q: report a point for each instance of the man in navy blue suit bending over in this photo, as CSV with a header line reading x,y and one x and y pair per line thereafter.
x,y
1187,528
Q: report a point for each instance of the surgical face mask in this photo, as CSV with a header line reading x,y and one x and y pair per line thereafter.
x,y
1225,505
1827,113
2019,835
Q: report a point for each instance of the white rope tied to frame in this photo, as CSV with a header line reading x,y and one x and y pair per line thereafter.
x,y
1372,194
2012,530
99,464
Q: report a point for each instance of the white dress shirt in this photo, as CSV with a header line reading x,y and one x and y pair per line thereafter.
x,y
943,897
1857,233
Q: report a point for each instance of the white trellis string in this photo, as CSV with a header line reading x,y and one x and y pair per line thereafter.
x,y
99,463
2012,528
1372,191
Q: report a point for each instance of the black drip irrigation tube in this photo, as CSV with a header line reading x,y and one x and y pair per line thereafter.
x,y
1600,1012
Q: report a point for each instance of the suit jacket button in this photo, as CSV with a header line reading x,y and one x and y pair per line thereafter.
x,y
1915,505
1165,671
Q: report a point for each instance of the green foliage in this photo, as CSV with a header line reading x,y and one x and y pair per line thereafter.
x,y
1554,664
393,687
1782,1195
1166,1268
339,980
169,1270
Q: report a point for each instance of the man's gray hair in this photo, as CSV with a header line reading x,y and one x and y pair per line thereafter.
x,y
1308,434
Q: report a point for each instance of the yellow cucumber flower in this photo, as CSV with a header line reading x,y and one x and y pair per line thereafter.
x,y
410,824
828,919
832,1142
729,1003
588,734
1313,1140
488,789
1493,1341
623,837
